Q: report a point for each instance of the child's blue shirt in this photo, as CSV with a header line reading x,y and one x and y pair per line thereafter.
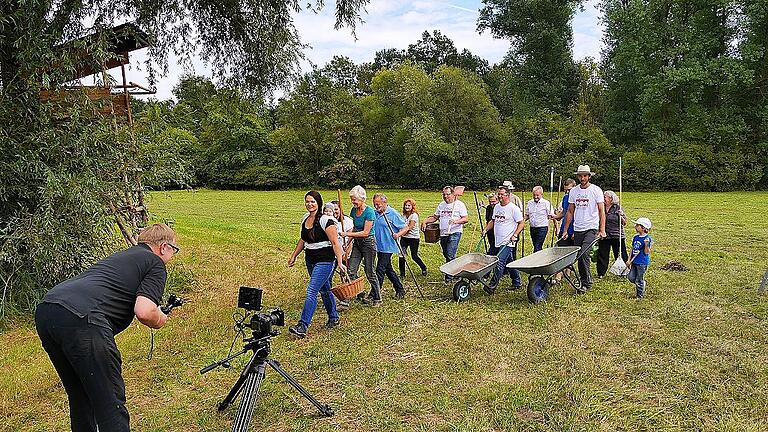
x,y
638,248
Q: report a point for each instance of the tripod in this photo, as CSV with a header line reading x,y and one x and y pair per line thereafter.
x,y
251,378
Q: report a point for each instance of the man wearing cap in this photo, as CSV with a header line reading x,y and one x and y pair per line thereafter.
x,y
452,215
586,210
512,197
507,223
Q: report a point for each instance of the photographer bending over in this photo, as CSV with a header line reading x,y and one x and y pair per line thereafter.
x,y
79,318
320,241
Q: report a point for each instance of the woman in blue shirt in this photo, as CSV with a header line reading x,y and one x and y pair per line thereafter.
x,y
363,246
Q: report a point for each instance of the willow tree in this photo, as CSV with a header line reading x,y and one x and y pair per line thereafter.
x,y
59,180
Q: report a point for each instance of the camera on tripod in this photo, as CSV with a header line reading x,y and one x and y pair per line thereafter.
x,y
259,346
261,323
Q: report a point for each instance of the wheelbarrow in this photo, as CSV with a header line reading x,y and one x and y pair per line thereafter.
x,y
542,266
470,269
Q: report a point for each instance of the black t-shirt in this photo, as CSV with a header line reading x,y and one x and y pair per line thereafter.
x,y
317,247
106,292
488,217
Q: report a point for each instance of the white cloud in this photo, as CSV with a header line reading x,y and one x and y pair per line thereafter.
x,y
391,24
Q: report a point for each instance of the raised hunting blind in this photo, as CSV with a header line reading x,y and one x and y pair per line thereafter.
x,y
64,92
97,53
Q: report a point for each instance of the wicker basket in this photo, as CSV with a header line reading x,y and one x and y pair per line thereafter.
x,y
348,289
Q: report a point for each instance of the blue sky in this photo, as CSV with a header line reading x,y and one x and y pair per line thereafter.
x,y
394,24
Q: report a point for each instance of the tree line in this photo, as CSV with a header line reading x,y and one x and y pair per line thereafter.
x,y
680,93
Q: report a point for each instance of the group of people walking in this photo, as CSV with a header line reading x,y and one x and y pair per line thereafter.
x,y
368,236
371,236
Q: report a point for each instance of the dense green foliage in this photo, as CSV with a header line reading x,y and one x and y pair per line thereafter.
x,y
540,72
685,91
680,93
67,175
412,129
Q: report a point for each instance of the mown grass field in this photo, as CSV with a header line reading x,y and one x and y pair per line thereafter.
x,y
693,355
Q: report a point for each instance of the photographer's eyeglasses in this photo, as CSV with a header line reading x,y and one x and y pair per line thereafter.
x,y
175,248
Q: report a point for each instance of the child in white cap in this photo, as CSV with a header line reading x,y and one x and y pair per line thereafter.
x,y
641,255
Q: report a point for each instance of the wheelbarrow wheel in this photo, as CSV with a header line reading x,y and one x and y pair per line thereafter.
x,y
461,291
538,289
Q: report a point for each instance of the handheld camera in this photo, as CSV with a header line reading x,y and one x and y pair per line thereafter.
x,y
173,302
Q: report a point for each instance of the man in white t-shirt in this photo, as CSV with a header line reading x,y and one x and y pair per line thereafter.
x,y
538,213
452,215
587,211
507,223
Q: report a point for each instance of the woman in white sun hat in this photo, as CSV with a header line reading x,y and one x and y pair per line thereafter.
x,y
586,210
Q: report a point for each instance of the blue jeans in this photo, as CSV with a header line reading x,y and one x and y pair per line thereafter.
x,y
320,276
637,277
538,237
450,245
506,255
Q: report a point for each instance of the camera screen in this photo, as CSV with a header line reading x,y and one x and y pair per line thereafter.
x,y
249,298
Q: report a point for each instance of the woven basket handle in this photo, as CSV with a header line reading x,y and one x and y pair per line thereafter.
x,y
344,276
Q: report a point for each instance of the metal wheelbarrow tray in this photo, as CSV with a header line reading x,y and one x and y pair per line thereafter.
x,y
470,268
543,265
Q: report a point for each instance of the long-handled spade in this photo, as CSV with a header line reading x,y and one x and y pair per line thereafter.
x,y
559,189
619,268
402,254
523,205
551,187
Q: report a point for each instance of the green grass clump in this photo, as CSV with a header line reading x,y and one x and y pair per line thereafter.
x,y
691,356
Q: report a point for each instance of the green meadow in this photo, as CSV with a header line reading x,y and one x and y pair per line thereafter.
x,y
693,355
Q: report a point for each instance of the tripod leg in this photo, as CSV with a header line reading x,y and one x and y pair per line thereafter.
x,y
324,409
227,401
248,402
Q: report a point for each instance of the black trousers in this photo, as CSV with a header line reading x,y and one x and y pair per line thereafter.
x,y
603,253
412,243
87,360
384,268
584,240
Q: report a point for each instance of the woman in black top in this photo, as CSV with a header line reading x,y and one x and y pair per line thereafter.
x,y
320,241
492,201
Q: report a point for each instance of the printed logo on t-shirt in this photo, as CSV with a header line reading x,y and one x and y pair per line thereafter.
x,y
582,202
